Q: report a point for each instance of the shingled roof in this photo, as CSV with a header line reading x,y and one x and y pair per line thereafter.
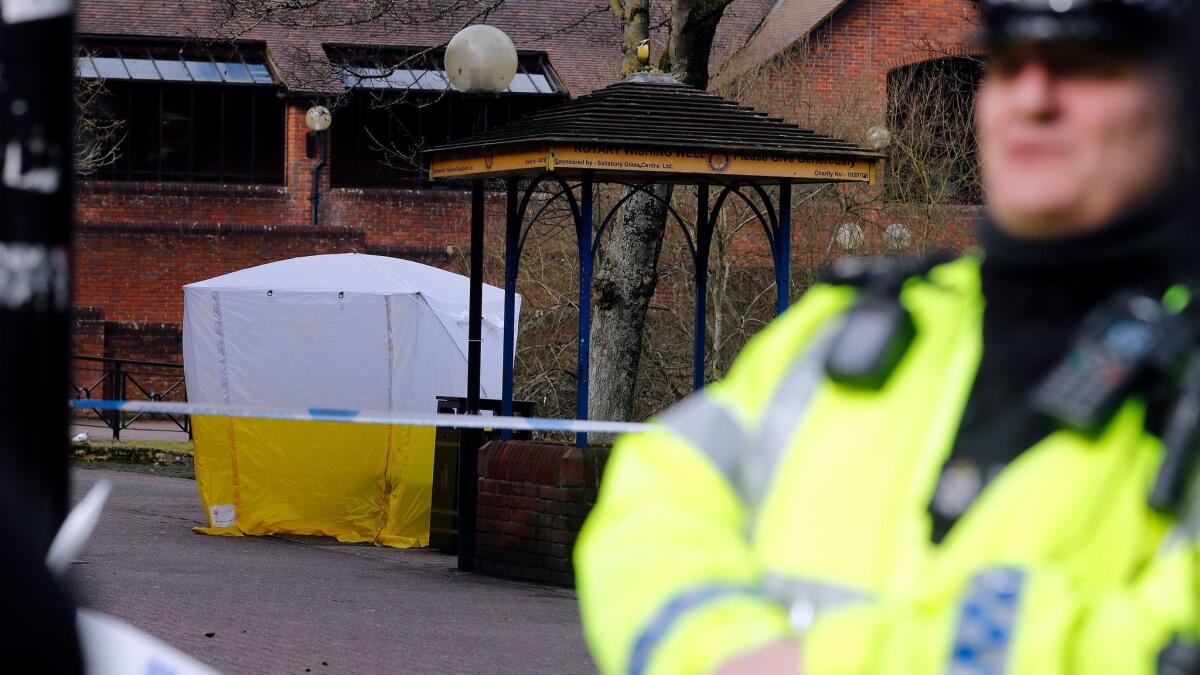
x,y
657,110
788,22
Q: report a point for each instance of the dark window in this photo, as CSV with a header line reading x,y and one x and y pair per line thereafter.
x,y
209,115
401,103
931,116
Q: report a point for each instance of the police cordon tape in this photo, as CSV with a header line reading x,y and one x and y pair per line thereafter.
x,y
365,417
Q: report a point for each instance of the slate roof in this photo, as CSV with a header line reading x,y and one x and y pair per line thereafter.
x,y
788,22
580,37
659,111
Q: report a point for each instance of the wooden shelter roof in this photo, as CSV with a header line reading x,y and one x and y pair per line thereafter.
x,y
650,124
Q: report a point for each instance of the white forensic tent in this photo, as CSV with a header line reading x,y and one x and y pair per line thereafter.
x,y
344,331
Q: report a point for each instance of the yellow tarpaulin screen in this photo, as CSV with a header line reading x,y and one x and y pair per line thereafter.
x,y
355,482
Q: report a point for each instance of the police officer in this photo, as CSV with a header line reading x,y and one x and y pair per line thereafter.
x,y
949,466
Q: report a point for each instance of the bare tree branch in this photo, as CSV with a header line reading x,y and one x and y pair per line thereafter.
x,y
98,135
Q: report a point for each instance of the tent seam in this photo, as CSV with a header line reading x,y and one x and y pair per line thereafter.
x,y
220,330
391,371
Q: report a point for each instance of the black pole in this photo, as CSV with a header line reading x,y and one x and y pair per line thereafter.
x,y
471,439
36,153
319,139
512,253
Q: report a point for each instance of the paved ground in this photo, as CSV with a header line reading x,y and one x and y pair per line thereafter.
x,y
296,605
142,430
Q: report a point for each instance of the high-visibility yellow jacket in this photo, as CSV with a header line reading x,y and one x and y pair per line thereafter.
x,y
776,503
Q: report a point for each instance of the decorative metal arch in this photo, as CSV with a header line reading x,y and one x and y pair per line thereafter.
x,y
632,189
776,225
778,228
768,224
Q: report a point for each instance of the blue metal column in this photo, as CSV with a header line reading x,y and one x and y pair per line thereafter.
x,y
512,236
783,249
700,271
583,231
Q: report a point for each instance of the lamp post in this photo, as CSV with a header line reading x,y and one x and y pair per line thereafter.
x,y
317,119
481,62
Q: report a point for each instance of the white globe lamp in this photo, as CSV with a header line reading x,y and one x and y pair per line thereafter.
x,y
481,59
318,118
897,236
849,237
879,138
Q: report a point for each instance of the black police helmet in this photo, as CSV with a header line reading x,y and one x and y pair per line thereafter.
x,y
1114,23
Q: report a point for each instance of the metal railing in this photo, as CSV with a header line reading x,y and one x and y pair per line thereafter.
x,y
113,379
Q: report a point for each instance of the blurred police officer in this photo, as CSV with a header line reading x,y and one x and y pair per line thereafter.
x,y
951,466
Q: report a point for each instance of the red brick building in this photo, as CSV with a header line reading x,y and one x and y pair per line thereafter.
x,y
215,165
818,50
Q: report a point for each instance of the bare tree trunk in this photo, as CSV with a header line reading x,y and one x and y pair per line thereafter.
x,y
628,271
693,27
624,284
634,15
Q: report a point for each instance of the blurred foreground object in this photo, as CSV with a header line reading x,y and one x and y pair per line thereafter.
x,y
36,150
872,482
36,153
114,648
109,646
1116,24
76,529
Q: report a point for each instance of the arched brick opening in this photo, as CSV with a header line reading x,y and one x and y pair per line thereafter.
x,y
930,112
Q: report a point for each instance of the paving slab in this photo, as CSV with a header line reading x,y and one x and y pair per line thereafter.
x,y
310,605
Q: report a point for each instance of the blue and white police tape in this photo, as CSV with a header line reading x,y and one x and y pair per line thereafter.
x,y
364,417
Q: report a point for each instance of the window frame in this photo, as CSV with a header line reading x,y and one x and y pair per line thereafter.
x,y
416,104
157,53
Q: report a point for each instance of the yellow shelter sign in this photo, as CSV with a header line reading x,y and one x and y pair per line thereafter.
x,y
603,158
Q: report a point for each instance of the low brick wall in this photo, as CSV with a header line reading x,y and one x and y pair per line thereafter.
x,y
533,498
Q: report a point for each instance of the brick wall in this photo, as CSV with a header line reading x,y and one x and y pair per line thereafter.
x,y
138,243
533,498
137,273
129,279
389,217
161,342
87,331
92,336
156,341
87,338
850,55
